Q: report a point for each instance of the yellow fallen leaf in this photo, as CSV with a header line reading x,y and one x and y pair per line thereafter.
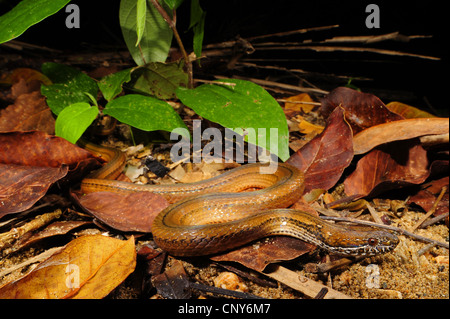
x,y
24,73
407,111
304,107
307,127
87,267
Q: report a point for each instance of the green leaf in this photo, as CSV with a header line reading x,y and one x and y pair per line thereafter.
x,y
111,85
26,14
145,113
141,9
173,4
70,86
197,24
161,79
156,38
241,107
74,120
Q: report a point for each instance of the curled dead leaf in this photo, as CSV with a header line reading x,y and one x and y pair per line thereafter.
x,y
398,130
362,110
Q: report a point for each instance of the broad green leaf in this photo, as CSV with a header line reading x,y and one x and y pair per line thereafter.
x,y
74,120
145,113
26,14
242,107
111,85
141,9
156,38
161,79
70,86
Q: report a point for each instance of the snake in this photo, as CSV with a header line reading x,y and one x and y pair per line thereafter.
x,y
235,208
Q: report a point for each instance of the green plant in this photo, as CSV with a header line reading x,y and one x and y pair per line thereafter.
x,y
26,14
148,27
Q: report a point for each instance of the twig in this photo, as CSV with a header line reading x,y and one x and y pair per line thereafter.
x,y
305,285
393,228
9,237
319,48
172,25
374,214
41,257
281,85
215,82
326,267
298,102
288,33
396,36
322,293
434,220
222,291
431,211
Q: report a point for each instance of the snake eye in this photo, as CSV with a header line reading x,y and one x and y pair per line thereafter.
x,y
372,241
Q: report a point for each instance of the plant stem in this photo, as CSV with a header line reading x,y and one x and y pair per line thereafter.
x,y
172,25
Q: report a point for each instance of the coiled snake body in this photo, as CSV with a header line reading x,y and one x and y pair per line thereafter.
x,y
214,215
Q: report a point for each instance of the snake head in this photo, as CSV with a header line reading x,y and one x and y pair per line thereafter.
x,y
379,242
364,243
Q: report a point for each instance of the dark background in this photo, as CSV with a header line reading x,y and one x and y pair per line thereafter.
x,y
422,83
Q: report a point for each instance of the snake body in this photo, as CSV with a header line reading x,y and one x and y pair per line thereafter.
x,y
215,215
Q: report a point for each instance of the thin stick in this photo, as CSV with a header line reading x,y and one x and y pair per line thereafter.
x,y
326,267
298,102
215,82
41,257
284,34
318,48
172,25
280,85
11,236
374,214
434,220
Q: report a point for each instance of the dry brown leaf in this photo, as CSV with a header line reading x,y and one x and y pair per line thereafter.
x,y
87,267
426,197
324,158
30,162
29,112
366,140
390,166
173,283
270,250
54,229
362,110
36,148
22,186
133,212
